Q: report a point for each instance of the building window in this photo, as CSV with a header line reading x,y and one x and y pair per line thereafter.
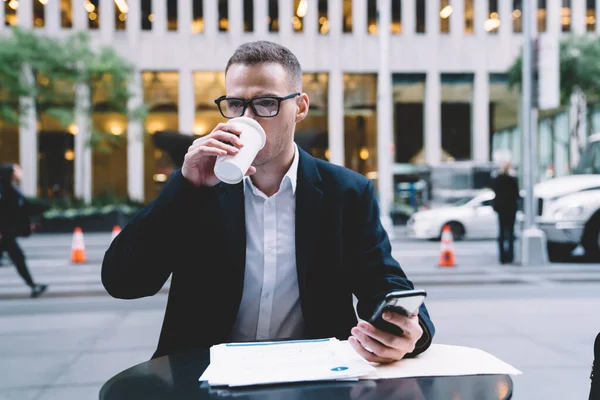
x,y
300,8
223,16
517,16
273,18
347,16
445,12
91,6
396,17
493,22
172,21
10,13
146,15
420,16
372,17
121,10
590,16
323,21
541,16
38,13
66,14
197,17
565,16
248,15
469,16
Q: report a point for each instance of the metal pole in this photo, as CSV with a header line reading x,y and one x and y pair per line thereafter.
x,y
533,249
384,118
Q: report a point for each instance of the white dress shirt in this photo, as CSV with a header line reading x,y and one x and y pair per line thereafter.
x,y
270,306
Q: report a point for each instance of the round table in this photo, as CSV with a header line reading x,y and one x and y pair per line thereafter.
x,y
176,377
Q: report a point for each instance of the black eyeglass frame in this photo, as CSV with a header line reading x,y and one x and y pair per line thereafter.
x,y
247,103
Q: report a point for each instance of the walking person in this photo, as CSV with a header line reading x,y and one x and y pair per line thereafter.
x,y
506,189
14,222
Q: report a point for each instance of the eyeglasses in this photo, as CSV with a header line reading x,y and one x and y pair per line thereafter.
x,y
262,106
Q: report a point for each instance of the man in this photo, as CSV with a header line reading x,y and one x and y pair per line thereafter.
x,y
278,255
506,200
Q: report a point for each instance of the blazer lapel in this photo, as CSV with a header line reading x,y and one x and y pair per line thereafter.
x,y
308,210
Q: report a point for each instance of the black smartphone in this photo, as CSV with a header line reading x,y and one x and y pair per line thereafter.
x,y
404,302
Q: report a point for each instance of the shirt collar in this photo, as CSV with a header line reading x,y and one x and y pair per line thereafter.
x,y
291,174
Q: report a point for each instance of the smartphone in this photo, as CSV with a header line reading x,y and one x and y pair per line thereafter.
x,y
404,302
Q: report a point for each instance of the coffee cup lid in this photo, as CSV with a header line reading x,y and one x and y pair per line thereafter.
x,y
254,124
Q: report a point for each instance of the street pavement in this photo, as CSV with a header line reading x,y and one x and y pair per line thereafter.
x,y
67,343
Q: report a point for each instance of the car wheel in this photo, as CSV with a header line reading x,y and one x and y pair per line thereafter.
x,y
559,251
457,229
591,239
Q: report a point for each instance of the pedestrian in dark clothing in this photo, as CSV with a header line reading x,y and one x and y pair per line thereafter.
x,y
506,188
14,222
595,376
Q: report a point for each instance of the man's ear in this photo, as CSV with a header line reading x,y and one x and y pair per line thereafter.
x,y
302,109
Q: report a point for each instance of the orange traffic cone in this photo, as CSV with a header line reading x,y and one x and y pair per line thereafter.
x,y
116,230
78,247
447,250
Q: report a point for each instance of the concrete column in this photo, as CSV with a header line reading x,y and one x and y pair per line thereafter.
x,y
236,20
80,17
135,144
481,10
578,10
408,17
261,12
336,90
286,12
457,18
51,16
359,17
159,25
187,102
311,20
134,24
25,14
385,119
184,17
83,153
28,140
553,17
211,18
107,21
432,18
480,136
433,131
505,12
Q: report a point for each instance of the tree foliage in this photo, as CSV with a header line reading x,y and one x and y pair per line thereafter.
x,y
579,58
58,65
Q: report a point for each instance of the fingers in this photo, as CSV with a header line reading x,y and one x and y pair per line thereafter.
x,y
401,344
410,325
364,353
378,350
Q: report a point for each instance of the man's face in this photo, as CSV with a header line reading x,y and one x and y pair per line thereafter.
x,y
269,79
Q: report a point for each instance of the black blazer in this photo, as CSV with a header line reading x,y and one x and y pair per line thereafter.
x,y
198,235
506,189
14,212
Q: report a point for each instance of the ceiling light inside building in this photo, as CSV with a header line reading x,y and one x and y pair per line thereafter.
x,y
446,12
302,8
122,6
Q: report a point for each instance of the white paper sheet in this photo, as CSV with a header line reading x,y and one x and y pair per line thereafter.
x,y
443,360
245,364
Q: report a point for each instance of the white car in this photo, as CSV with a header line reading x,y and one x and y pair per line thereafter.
x,y
468,218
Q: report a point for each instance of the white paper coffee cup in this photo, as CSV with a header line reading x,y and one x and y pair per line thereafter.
x,y
231,169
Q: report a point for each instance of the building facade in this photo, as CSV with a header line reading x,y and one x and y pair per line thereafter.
x,y
436,93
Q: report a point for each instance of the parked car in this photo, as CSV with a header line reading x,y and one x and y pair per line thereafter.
x,y
470,217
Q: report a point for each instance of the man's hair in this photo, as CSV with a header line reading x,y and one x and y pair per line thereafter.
x,y
264,52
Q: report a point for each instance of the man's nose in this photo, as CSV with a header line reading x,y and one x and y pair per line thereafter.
x,y
249,112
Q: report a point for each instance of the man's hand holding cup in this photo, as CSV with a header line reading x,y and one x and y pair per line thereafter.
x,y
199,161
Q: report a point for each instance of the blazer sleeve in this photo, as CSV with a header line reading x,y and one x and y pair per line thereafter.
x,y
376,272
139,260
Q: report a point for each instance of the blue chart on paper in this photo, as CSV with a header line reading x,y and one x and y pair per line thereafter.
x,y
339,369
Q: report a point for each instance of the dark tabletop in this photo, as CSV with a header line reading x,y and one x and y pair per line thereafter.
x,y
176,377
